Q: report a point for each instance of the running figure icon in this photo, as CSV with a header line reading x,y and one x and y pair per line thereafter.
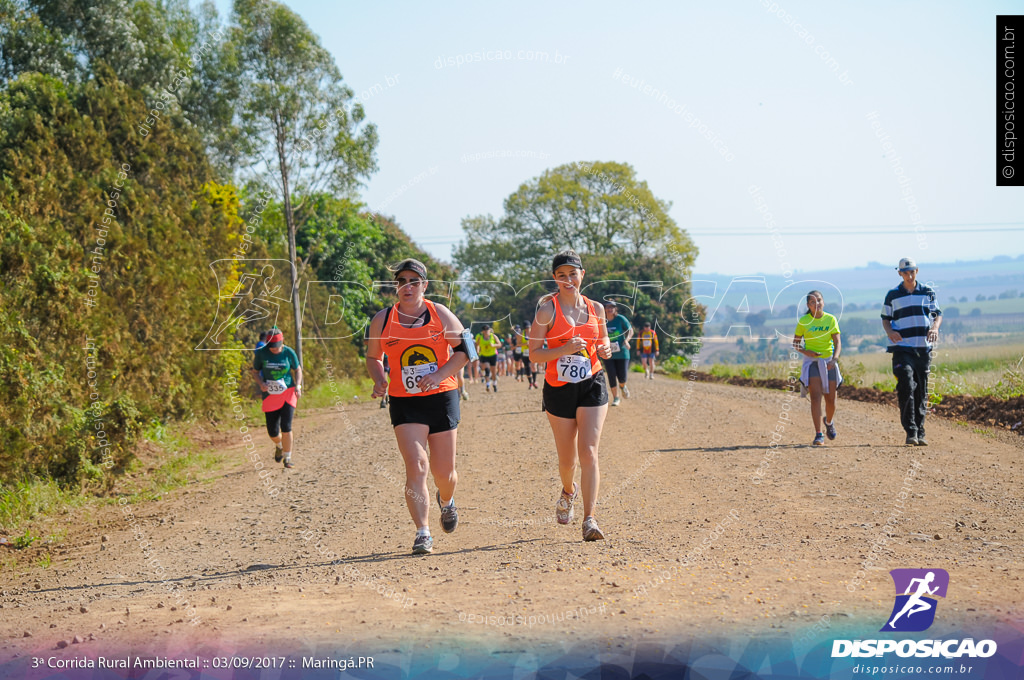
x,y
917,592
915,604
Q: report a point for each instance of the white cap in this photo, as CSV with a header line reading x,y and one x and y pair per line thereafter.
x,y
906,265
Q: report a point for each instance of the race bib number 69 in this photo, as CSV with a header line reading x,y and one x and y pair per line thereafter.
x,y
412,374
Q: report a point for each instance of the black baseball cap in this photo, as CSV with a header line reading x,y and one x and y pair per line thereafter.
x,y
409,264
566,258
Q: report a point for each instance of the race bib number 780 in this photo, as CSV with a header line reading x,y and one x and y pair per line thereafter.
x,y
573,368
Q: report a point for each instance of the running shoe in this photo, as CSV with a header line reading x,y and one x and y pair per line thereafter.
x,y
563,508
911,440
625,391
921,441
465,395
487,387
288,463
278,454
819,440
495,385
616,401
449,515
591,532
423,545
383,403
830,430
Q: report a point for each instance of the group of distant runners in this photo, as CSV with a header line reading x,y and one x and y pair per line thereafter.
x,y
417,351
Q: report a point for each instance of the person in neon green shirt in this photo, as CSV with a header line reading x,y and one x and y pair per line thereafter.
x,y
487,345
817,338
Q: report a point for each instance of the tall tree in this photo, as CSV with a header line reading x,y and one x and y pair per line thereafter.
x,y
302,130
604,212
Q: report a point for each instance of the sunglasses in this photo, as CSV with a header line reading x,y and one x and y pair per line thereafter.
x,y
408,282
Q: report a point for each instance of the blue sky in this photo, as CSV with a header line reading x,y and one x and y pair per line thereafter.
x,y
797,140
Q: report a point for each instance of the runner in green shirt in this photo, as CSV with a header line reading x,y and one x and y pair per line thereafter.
x,y
819,333
276,369
620,332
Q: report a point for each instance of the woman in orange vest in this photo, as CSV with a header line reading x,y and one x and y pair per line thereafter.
x,y
575,391
426,346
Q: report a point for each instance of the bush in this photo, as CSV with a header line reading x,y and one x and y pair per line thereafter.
x,y
721,371
675,365
854,373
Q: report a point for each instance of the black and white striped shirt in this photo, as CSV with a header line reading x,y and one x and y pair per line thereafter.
x,y
910,315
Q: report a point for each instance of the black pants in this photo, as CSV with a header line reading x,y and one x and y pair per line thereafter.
x,y
616,371
910,366
280,420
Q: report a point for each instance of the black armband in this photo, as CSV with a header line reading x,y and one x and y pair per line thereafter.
x,y
467,346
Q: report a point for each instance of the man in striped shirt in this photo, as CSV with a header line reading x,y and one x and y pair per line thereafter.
x,y
911,318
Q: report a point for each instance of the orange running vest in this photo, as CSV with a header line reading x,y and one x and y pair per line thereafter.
x,y
414,352
562,331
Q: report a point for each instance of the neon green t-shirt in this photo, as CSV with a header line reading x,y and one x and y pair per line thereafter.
x,y
488,347
817,333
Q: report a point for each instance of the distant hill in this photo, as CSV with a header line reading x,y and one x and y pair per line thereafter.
x,y
860,285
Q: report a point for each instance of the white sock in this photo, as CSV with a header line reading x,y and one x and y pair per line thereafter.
x,y
287,455
450,502
423,531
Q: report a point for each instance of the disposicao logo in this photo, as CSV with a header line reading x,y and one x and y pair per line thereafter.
x,y
914,611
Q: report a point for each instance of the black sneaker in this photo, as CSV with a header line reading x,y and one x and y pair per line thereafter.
x,y
278,454
423,545
449,515
495,385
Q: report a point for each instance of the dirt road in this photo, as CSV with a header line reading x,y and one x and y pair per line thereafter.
x,y
705,533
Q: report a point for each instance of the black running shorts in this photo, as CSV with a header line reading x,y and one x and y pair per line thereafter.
x,y
563,401
439,412
492,360
280,420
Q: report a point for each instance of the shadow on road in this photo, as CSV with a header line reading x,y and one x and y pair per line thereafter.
x,y
760,447
371,558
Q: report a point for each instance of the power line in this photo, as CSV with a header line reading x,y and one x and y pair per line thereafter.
x,y
852,230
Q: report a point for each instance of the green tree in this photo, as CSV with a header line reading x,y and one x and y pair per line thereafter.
x,y
105,247
604,212
301,128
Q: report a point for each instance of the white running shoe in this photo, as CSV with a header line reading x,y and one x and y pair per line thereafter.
x,y
563,508
625,391
591,532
